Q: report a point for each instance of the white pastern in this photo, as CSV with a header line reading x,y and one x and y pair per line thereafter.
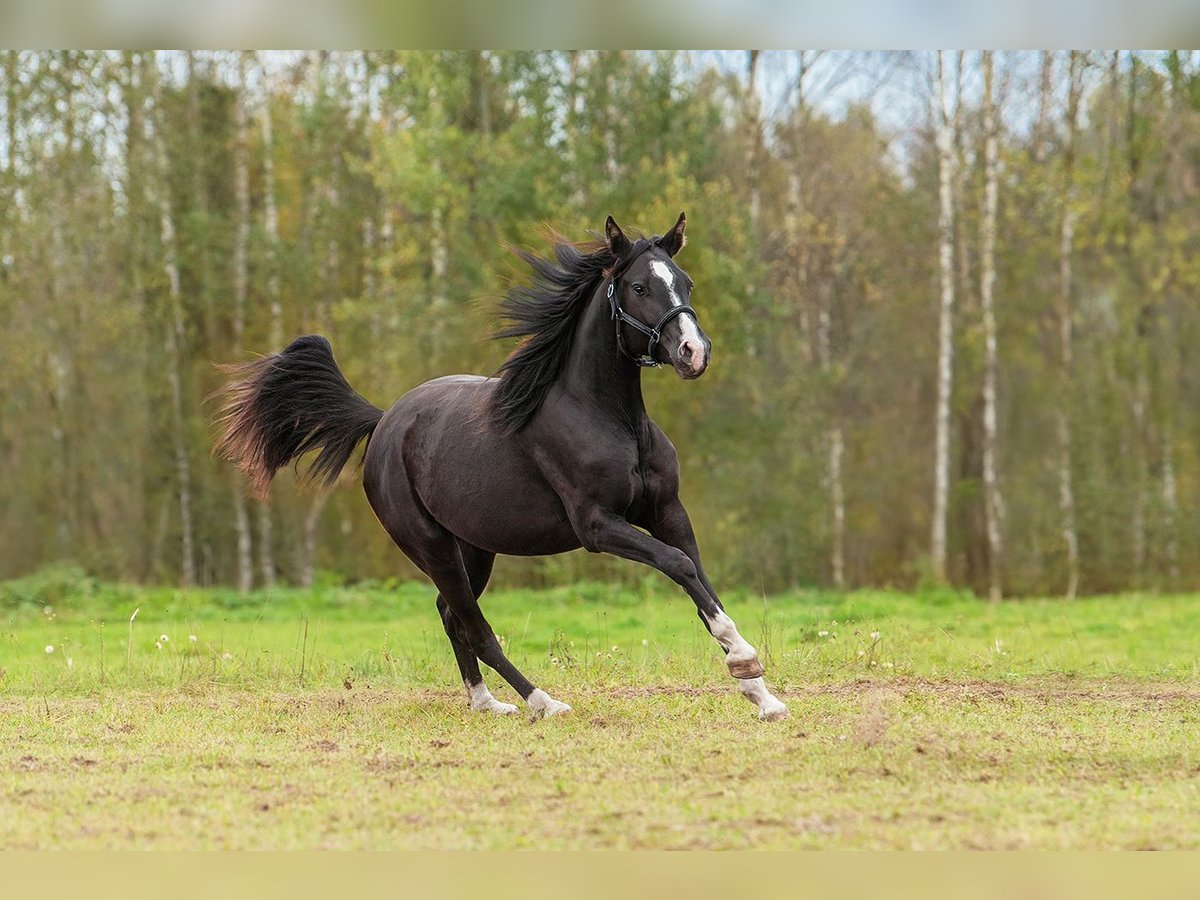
x,y
481,700
770,707
687,324
542,704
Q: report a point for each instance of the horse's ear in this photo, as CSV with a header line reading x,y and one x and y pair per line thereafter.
x,y
674,240
617,242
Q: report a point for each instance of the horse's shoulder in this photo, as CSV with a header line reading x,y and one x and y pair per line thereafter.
x,y
661,461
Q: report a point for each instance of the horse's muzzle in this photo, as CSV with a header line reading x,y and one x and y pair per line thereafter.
x,y
691,359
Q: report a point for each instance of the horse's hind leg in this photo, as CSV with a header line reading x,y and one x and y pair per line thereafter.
x,y
446,564
478,564
460,573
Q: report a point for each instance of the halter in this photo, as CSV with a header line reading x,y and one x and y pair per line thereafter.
x,y
654,333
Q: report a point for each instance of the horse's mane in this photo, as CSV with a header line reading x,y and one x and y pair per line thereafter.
x,y
545,313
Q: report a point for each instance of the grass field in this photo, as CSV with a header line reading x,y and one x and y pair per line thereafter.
x,y
334,718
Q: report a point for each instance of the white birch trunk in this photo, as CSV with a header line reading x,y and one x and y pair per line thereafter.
x,y
993,503
175,336
1170,507
312,521
1066,488
612,165
266,552
945,361
1141,389
834,442
241,190
753,127
1042,125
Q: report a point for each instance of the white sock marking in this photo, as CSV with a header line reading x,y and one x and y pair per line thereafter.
x,y
542,704
770,707
481,700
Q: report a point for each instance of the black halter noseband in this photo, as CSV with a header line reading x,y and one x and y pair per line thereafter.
x,y
621,317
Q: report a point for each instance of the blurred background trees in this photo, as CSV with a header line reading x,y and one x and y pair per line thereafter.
x,y
952,296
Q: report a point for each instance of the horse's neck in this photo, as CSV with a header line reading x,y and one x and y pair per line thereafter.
x,y
598,373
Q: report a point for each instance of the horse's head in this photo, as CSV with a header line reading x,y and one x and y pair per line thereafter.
x,y
654,296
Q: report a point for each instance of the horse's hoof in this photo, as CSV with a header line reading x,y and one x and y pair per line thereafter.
x,y
497,708
745,668
772,712
542,705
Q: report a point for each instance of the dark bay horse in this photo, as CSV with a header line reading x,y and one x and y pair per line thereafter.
x,y
555,452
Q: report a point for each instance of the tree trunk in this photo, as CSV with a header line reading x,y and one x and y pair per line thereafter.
x,y
1066,489
834,440
1041,128
312,522
241,191
266,551
331,268
753,132
135,166
1170,508
10,125
945,362
176,334
993,504
200,207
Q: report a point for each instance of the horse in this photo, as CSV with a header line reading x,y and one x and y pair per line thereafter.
x,y
554,452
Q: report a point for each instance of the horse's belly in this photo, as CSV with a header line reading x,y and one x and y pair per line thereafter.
x,y
504,507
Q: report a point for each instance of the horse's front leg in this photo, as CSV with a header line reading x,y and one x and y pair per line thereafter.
x,y
606,532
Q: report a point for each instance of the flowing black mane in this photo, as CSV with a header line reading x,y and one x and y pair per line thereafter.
x,y
545,312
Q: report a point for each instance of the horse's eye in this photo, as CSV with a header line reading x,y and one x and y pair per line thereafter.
x,y
638,289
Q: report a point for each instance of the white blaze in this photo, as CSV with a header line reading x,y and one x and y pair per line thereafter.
x,y
687,323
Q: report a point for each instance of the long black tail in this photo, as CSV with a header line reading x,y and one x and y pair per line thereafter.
x,y
289,403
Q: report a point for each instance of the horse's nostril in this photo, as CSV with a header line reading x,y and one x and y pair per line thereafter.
x,y
687,350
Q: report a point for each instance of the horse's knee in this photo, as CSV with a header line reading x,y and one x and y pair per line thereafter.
x,y
679,566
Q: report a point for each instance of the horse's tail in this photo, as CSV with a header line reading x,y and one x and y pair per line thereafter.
x,y
288,403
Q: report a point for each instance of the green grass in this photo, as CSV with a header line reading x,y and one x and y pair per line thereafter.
x,y
335,718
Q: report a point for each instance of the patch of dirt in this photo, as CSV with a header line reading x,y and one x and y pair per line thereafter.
x,y
872,726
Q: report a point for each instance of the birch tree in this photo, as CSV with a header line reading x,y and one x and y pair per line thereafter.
x,y
1062,416
241,192
943,125
266,548
175,338
992,499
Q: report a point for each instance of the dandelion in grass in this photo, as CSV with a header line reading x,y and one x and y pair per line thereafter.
x,y
49,648
874,635
822,633
162,639
862,652
70,662
645,642
615,648
158,645
227,656
192,638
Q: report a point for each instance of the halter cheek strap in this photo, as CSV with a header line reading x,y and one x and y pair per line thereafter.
x,y
654,332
